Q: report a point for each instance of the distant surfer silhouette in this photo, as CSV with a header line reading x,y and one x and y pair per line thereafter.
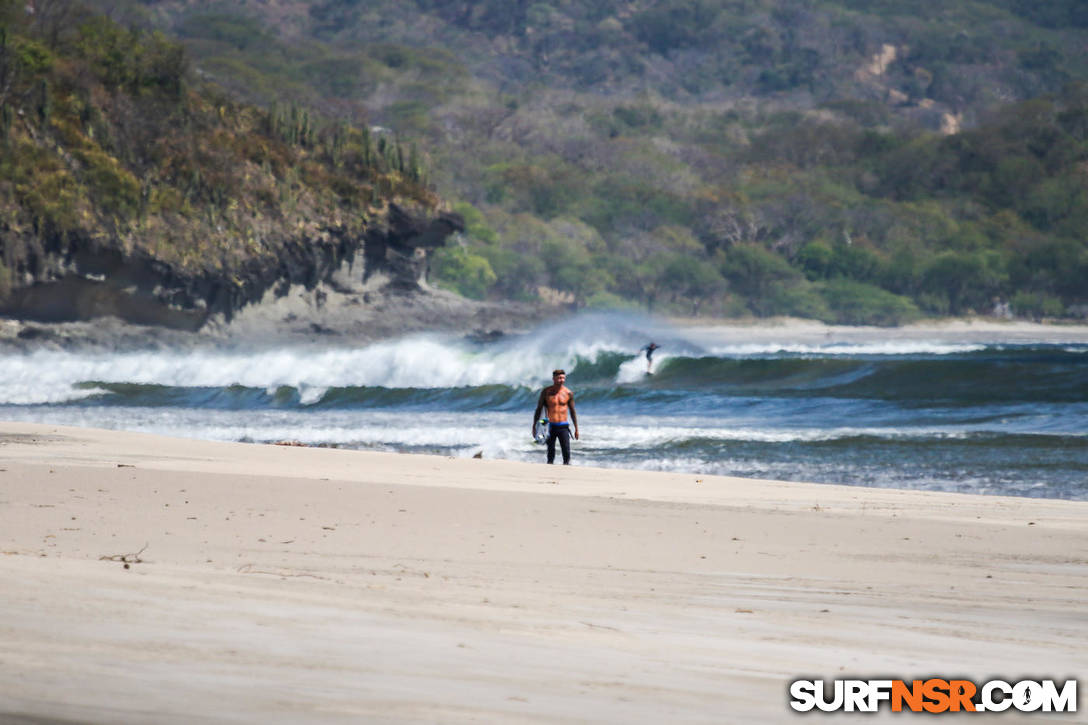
x,y
558,399
650,356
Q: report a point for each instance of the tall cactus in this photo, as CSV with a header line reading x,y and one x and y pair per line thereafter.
x,y
45,101
339,140
7,118
368,150
383,147
8,65
415,170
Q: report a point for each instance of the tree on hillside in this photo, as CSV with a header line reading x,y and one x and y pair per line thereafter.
x,y
687,278
757,275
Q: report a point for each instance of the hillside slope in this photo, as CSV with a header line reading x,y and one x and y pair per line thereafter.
x,y
848,161
129,188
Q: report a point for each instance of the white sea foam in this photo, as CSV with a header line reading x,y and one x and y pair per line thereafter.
x,y
629,433
310,394
634,370
49,377
421,361
498,434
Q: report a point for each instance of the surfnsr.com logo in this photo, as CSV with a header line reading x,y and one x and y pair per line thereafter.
x,y
933,696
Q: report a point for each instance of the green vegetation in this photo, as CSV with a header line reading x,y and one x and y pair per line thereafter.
x,y
108,141
825,219
862,162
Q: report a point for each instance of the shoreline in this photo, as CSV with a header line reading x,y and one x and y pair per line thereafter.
x,y
965,329
282,584
340,319
615,469
28,442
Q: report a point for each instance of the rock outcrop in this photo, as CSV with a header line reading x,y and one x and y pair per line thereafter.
x,y
77,277
398,245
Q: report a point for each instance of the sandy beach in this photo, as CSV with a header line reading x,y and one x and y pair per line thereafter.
x,y
146,579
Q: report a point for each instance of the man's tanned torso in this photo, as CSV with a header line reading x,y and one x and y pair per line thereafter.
x,y
557,402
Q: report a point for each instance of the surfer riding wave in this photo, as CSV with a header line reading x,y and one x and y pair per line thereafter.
x,y
649,350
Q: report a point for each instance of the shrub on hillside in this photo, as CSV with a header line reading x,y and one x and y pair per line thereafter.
x,y
858,303
467,274
1036,305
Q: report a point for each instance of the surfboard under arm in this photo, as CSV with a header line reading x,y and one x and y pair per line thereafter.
x,y
540,431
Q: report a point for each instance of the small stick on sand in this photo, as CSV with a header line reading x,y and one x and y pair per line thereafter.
x,y
126,559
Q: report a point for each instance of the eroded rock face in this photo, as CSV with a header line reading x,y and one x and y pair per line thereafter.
x,y
84,279
398,246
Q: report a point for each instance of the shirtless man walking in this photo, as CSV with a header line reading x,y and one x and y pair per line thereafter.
x,y
558,399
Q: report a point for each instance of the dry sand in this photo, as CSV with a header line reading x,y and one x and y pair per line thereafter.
x,y
950,330
297,585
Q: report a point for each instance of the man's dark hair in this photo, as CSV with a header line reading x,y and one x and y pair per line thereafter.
x,y
558,372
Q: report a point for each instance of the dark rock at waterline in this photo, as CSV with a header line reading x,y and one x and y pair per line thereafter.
x,y
323,316
481,335
36,333
322,330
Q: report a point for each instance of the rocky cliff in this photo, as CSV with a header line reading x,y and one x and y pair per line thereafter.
x,y
131,187
73,277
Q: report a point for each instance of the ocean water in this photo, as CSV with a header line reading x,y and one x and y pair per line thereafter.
x,y
873,409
